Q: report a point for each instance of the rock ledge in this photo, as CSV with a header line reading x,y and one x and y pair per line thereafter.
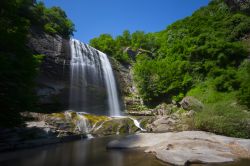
x,y
187,147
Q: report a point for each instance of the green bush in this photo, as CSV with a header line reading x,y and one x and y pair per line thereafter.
x,y
227,81
49,29
161,79
222,113
224,118
51,20
244,78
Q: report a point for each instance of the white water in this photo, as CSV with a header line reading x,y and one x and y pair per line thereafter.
x,y
136,122
82,124
114,106
91,72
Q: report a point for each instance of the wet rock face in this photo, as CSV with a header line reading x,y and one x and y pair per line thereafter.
x,y
54,77
123,76
130,97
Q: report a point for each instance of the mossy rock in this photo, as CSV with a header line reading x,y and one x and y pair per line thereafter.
x,y
191,103
117,126
93,119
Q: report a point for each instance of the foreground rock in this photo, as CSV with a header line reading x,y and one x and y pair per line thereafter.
x,y
188,147
42,129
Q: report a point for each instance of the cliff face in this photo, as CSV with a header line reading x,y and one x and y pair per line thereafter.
x,y
126,85
54,77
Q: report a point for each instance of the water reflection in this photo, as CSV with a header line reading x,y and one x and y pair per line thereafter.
x,y
91,152
80,153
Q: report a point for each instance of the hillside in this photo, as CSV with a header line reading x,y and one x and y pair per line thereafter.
x,y
205,55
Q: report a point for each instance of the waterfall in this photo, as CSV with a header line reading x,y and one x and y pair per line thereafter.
x,y
82,124
93,87
113,102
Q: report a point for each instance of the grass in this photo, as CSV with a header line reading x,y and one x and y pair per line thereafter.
x,y
224,118
222,114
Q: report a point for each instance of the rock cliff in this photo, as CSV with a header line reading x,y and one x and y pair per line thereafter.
x,y
54,77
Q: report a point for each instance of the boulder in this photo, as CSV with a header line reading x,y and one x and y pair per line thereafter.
x,y
164,109
163,124
171,123
115,126
187,147
191,103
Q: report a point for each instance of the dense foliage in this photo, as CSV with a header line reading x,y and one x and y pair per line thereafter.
x,y
52,20
115,47
203,46
207,43
205,55
18,66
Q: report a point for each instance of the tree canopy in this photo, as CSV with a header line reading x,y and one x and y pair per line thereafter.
x,y
18,66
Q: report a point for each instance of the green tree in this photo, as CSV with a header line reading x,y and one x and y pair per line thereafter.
x,y
18,66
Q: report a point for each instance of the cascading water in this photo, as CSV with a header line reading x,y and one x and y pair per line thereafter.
x,y
137,124
82,124
113,102
92,81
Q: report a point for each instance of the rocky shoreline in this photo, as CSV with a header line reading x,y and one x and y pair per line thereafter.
x,y
42,129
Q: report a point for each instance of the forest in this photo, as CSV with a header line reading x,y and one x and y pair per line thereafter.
x,y
205,55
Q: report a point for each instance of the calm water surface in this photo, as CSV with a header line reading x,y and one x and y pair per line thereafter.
x,y
91,152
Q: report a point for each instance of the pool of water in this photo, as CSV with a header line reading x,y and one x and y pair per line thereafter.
x,y
90,152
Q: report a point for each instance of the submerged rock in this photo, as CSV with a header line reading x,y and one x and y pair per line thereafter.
x,y
188,147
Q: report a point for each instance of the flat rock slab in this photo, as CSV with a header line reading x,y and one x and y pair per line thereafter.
x,y
187,147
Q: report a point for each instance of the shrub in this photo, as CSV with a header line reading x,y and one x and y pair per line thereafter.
x,y
244,78
224,118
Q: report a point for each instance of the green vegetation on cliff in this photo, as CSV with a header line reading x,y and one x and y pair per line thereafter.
x,y
205,55
51,20
19,67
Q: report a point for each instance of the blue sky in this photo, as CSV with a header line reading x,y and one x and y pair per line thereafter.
x,y
94,17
